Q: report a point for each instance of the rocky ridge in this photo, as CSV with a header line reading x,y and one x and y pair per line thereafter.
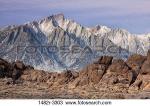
x,y
106,78
56,43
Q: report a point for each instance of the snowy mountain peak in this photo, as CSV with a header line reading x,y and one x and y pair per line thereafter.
x,y
71,44
148,34
98,29
59,16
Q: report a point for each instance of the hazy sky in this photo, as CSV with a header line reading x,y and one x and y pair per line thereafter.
x,y
133,15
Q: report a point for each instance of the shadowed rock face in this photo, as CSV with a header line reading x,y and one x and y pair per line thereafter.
x,y
136,61
105,78
12,70
146,65
94,72
118,72
6,69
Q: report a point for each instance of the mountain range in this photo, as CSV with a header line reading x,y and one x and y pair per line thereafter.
x,y
56,43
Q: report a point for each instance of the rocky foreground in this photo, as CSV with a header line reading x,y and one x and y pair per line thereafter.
x,y
106,78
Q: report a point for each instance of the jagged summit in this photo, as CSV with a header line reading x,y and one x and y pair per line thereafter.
x,y
59,16
56,42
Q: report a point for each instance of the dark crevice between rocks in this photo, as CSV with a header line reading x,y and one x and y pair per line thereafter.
x,y
12,70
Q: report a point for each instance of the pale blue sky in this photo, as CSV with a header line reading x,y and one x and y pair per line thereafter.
x,y
133,15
